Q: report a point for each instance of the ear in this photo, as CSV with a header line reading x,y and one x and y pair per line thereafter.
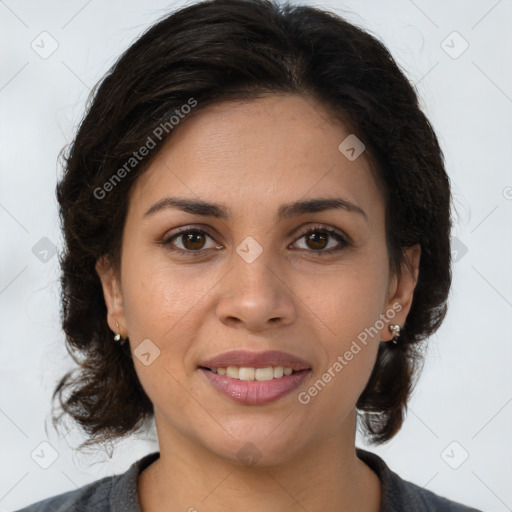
x,y
401,290
113,296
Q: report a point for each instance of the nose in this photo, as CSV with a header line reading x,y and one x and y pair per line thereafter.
x,y
256,296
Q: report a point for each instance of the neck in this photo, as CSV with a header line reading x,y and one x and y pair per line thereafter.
x,y
326,476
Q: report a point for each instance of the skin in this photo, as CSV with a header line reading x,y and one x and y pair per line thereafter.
x,y
252,157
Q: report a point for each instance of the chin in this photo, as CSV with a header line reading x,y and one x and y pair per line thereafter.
x,y
255,445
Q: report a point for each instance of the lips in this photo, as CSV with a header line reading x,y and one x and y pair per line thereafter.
x,y
291,371
244,358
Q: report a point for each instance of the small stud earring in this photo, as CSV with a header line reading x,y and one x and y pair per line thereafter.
x,y
117,337
396,331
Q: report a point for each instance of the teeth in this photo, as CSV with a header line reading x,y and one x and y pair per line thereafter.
x,y
232,371
251,374
264,373
246,373
278,372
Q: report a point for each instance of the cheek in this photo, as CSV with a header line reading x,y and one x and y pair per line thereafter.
x,y
157,296
349,308
349,355
165,304
351,297
157,307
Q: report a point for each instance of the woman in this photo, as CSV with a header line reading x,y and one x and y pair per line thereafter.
x,y
257,225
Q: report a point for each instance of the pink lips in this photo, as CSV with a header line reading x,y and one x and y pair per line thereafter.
x,y
255,392
256,360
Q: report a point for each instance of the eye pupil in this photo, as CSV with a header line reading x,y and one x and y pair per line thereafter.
x,y
190,238
314,237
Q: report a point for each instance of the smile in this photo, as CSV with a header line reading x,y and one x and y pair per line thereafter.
x,y
253,391
248,374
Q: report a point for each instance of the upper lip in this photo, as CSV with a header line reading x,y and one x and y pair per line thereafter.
x,y
246,358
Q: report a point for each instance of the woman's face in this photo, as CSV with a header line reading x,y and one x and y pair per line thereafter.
x,y
252,280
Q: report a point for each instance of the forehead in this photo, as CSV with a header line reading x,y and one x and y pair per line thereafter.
x,y
259,153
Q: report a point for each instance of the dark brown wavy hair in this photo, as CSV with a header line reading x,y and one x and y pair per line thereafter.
x,y
222,50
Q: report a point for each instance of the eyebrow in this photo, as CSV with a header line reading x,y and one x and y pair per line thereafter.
x,y
286,211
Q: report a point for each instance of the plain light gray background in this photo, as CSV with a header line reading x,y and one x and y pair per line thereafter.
x,y
456,440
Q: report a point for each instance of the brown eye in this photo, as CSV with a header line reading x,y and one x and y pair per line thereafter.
x,y
317,240
192,240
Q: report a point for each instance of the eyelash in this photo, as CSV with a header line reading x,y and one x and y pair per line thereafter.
x,y
343,240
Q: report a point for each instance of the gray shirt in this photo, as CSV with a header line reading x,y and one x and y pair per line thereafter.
x,y
119,493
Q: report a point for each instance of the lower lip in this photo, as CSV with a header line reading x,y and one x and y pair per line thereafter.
x,y
255,392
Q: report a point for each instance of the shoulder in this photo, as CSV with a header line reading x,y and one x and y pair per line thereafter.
x,y
93,496
399,495
109,494
417,498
